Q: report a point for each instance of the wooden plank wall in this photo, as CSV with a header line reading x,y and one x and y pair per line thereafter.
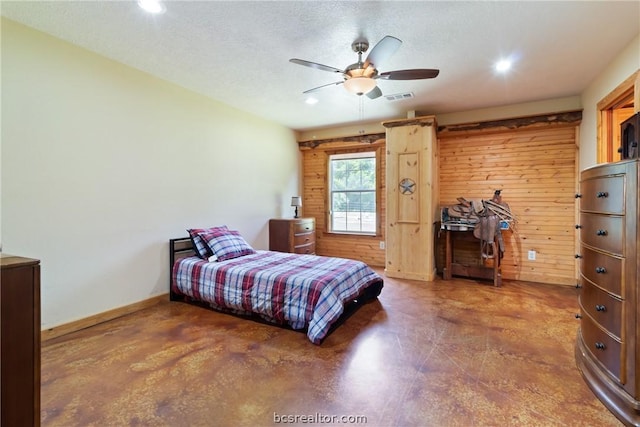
x,y
536,169
315,204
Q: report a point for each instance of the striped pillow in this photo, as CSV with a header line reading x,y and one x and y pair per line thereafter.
x,y
200,246
227,244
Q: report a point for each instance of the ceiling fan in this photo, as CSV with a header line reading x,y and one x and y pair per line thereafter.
x,y
360,78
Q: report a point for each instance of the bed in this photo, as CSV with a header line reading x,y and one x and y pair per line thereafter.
x,y
307,293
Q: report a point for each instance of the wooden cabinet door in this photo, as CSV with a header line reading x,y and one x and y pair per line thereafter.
x,y
411,198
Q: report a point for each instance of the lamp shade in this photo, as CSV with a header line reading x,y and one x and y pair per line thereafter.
x,y
359,85
296,201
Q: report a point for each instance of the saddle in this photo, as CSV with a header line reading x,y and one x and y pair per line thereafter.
x,y
484,217
488,231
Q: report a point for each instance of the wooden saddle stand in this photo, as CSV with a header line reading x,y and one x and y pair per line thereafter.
x,y
485,218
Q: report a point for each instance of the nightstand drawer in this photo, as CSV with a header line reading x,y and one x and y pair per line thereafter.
x,y
604,194
309,249
303,226
304,239
603,308
604,348
603,270
603,232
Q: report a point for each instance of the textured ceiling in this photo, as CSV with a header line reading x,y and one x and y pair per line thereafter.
x,y
237,52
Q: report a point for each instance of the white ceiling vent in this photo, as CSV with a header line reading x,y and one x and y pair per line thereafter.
x,y
399,96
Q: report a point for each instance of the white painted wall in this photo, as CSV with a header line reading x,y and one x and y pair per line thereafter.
x,y
624,65
103,164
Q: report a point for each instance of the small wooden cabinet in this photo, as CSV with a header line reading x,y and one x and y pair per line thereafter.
x,y
20,341
608,341
296,235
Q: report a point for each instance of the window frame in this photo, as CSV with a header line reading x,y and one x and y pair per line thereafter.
x,y
374,152
613,109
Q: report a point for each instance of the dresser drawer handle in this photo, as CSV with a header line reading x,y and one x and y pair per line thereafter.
x,y
578,226
600,346
602,194
601,270
601,232
600,307
578,256
578,196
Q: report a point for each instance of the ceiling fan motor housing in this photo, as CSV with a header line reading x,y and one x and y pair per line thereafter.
x,y
360,47
358,69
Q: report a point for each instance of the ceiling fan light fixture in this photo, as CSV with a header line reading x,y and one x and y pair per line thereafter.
x,y
359,85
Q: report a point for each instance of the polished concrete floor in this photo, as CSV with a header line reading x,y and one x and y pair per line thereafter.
x,y
446,353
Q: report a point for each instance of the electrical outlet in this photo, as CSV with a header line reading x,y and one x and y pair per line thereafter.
x,y
532,255
382,244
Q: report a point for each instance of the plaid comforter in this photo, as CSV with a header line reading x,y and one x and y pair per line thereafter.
x,y
302,291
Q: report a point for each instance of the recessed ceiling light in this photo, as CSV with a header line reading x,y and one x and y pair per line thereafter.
x,y
152,6
311,100
503,65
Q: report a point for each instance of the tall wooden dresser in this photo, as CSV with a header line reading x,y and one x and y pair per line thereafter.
x,y
20,341
608,341
295,235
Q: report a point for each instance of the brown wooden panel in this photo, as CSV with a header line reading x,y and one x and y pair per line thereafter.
x,y
536,171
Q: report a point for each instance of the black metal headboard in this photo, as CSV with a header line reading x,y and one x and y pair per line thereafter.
x,y
178,249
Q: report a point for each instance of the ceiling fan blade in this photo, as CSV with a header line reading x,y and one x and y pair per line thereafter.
x,y
413,74
323,86
382,51
316,65
374,93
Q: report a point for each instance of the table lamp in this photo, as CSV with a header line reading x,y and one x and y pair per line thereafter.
x,y
297,202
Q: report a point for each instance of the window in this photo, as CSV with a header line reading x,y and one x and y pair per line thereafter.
x,y
352,193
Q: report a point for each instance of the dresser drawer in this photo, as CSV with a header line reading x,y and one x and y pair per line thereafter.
x,y
309,249
603,270
303,226
304,238
603,232
603,194
604,348
603,308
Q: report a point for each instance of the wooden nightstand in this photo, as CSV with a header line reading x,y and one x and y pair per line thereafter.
x,y
295,235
